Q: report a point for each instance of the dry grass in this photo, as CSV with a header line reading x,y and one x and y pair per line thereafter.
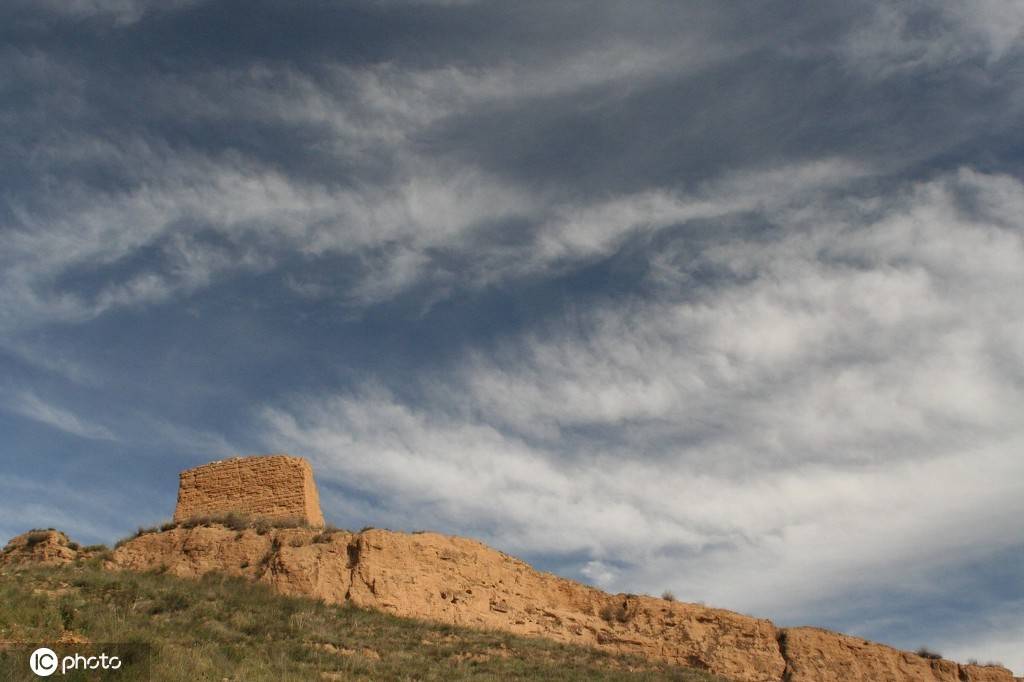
x,y
226,628
236,522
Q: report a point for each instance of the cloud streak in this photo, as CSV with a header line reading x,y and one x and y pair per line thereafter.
x,y
29,405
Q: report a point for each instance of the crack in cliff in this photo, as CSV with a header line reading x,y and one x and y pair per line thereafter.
x,y
353,549
780,638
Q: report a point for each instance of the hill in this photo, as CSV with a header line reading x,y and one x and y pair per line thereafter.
x,y
227,628
454,581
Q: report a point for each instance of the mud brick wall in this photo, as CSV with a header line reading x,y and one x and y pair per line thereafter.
x,y
271,487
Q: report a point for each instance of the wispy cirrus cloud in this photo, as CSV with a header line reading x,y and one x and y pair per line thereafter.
x,y
830,377
31,406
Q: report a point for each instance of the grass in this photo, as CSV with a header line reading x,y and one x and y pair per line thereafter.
x,y
222,628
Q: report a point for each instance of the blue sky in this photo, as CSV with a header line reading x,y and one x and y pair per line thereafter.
x,y
705,297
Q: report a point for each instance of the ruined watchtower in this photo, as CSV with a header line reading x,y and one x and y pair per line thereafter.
x,y
274,487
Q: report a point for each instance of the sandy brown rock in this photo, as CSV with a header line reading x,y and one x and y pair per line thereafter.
x,y
815,655
304,565
270,487
456,580
987,673
192,552
291,560
50,547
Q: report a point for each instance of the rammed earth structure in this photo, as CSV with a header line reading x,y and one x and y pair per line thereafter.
x,y
274,487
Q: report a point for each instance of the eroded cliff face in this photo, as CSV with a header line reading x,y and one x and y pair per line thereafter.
x,y
815,655
461,581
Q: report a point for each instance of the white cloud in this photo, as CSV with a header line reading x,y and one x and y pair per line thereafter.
x,y
599,573
932,34
363,116
28,404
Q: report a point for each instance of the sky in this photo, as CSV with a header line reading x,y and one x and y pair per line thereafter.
x,y
717,298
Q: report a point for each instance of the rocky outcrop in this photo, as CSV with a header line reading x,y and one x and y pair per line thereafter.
x,y
275,487
461,581
41,546
814,655
295,561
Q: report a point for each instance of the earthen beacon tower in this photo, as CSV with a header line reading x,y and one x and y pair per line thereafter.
x,y
273,487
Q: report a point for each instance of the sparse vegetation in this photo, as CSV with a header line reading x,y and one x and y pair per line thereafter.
x,y
616,612
327,533
320,538
226,628
925,652
35,537
668,596
986,664
237,522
